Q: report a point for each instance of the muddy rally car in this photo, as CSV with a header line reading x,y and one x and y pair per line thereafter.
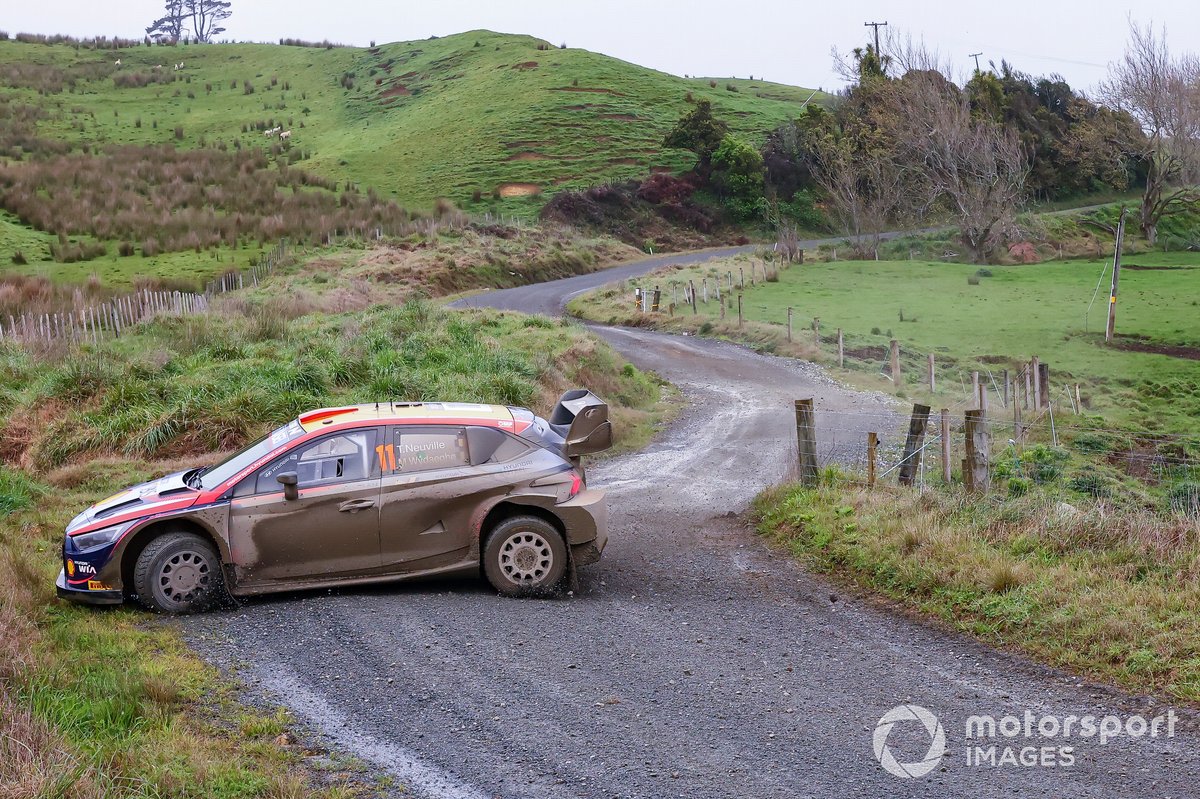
x,y
355,495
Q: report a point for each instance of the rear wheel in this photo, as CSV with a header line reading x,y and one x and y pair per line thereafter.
x,y
179,573
525,556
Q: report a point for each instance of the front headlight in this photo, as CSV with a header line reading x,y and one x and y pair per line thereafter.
x,y
99,538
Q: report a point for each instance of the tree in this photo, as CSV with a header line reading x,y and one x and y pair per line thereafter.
x,y
1162,92
738,176
169,27
207,16
974,167
700,132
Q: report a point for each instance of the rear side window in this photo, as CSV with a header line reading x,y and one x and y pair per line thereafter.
x,y
341,458
423,448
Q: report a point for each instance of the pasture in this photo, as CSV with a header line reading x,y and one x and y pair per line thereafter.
x,y
969,321
504,115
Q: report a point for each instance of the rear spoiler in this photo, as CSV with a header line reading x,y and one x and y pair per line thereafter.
x,y
581,418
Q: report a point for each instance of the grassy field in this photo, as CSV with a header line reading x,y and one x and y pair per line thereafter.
x,y
104,704
478,111
1111,594
969,322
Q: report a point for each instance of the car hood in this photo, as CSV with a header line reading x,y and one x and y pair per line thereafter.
x,y
143,497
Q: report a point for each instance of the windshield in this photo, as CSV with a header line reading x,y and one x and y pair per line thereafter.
x,y
215,475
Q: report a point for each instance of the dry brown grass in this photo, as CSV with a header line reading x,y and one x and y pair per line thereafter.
x,y
1113,593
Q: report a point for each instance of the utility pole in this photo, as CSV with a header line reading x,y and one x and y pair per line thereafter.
x,y
876,26
976,57
1110,329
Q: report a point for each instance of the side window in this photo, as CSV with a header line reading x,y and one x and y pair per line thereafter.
x,y
420,449
333,459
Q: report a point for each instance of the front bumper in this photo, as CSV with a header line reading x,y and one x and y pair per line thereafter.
x,y
88,597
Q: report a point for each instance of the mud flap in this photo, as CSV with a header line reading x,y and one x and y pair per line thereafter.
x,y
581,418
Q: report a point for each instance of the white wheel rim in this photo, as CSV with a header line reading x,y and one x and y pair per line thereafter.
x,y
183,577
526,558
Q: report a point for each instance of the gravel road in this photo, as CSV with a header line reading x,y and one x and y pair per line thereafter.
x,y
692,661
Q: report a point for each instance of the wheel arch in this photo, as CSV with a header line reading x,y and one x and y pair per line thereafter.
x,y
143,536
507,509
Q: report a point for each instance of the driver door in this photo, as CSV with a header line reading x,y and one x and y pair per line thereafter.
x,y
330,530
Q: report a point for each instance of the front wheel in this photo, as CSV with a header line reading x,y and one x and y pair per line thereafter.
x,y
178,573
525,556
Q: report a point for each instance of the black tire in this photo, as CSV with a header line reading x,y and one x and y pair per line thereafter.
x,y
525,556
179,573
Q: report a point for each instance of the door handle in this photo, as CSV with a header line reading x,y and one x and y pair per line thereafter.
x,y
355,505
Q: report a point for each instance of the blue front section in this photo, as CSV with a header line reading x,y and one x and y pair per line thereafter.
x,y
79,578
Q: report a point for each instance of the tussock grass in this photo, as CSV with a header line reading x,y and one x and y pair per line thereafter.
x,y
1105,591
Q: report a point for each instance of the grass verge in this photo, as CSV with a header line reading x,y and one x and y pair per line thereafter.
x,y
1110,593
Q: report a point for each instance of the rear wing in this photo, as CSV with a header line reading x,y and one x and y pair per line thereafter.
x,y
581,418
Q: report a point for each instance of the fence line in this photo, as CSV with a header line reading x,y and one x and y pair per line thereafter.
x,y
109,319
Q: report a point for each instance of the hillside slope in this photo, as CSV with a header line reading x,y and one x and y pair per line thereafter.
x,y
506,116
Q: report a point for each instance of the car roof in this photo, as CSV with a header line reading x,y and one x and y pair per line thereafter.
x,y
410,413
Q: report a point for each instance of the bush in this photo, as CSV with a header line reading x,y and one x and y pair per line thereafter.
x,y
984,272
179,132
1090,483
973,280
1018,487
706,328
1185,498
18,258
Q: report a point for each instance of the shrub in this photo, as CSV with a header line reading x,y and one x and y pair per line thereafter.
x,y
712,84
706,328
729,87
1090,483
179,132
1018,487
876,331
1185,498
125,249
18,258
985,272
247,87
973,280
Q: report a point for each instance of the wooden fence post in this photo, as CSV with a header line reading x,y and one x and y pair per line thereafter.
x,y
806,441
789,323
895,363
932,376
841,350
817,331
872,446
946,449
1007,388
979,443
739,309
1043,379
692,288
911,461
1036,371
741,277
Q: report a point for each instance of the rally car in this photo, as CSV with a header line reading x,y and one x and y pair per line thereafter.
x,y
354,495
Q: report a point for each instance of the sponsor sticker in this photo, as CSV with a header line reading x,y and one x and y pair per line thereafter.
x,y
96,585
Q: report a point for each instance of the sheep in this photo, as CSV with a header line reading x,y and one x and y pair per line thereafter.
x,y
158,66
287,134
117,63
179,66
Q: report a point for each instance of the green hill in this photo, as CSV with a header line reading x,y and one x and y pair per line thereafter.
x,y
506,116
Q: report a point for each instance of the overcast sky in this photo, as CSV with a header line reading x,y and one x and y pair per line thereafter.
x,y
782,40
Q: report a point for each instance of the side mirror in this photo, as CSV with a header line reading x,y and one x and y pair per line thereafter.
x,y
288,481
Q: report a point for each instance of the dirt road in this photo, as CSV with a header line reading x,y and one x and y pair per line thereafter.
x,y
693,661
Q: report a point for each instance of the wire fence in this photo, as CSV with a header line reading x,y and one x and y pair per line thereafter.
x,y
81,322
